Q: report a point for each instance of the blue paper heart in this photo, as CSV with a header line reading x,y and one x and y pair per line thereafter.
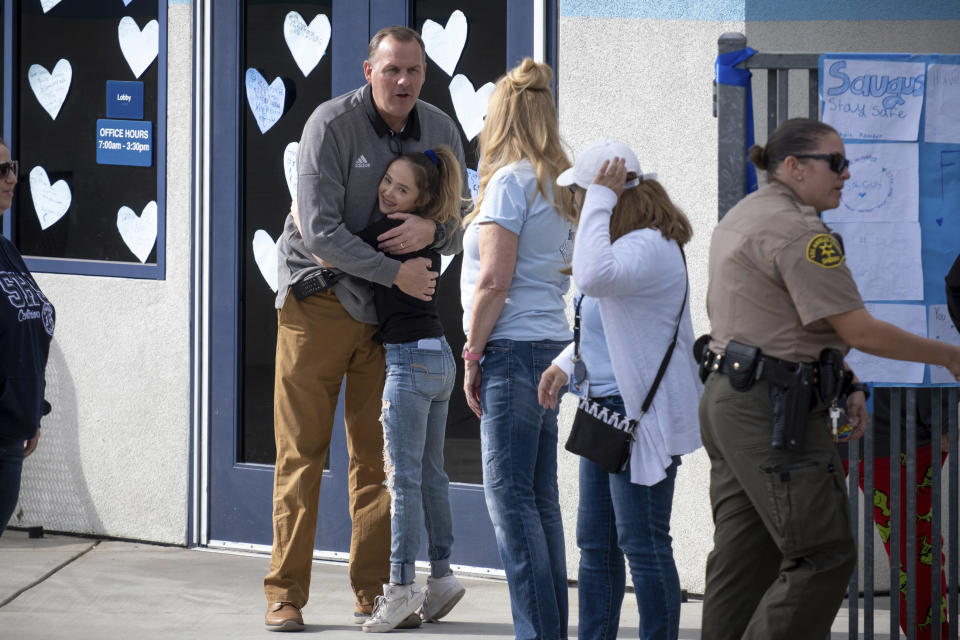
x,y
266,101
863,194
126,3
939,222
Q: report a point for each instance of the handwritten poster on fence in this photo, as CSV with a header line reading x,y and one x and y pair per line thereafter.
x,y
899,215
873,99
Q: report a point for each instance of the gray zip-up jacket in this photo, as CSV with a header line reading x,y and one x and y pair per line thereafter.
x,y
344,151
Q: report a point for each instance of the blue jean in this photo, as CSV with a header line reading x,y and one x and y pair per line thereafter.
x,y
617,517
11,464
416,394
519,444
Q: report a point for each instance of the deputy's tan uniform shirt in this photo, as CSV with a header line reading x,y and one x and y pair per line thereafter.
x,y
775,274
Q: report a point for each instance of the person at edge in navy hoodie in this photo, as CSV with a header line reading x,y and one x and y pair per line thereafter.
x,y
26,328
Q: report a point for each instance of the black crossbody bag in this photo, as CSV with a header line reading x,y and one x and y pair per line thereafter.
x,y
599,434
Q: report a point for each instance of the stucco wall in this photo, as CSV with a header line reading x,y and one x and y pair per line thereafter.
x,y
633,71
114,453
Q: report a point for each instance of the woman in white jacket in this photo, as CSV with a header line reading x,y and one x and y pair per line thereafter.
x,y
629,269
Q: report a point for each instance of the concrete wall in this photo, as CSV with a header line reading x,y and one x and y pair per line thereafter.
x,y
114,453
642,72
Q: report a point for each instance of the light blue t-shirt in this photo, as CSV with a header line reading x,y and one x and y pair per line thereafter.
x,y
534,309
593,350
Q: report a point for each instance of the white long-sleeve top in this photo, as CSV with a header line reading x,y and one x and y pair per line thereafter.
x,y
639,281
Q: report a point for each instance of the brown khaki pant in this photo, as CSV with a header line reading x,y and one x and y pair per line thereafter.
x,y
783,549
318,343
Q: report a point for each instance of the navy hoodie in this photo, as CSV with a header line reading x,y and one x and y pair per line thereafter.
x,y
26,328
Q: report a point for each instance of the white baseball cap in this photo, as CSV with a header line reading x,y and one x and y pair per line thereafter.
x,y
593,156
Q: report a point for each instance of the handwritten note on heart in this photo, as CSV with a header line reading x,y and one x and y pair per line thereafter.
x,y
51,88
139,232
290,155
445,44
306,43
266,101
473,181
469,105
139,48
265,254
49,201
46,5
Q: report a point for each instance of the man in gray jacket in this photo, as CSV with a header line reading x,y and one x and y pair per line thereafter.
x,y
326,333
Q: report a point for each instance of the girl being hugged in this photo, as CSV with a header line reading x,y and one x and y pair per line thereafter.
x,y
416,394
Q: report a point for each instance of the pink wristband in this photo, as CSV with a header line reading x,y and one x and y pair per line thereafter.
x,y
469,355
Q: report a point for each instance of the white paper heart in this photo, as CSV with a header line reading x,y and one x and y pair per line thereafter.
x,y
445,44
139,47
127,2
46,5
445,262
469,105
290,155
139,232
265,254
266,101
51,88
306,43
49,201
473,181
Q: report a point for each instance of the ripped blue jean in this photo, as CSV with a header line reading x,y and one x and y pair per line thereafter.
x,y
416,394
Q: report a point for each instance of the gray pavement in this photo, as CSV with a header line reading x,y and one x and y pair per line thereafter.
x,y
68,587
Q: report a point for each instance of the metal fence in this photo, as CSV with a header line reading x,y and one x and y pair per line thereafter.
x,y
899,505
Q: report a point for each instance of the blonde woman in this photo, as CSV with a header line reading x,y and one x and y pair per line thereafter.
x,y
517,246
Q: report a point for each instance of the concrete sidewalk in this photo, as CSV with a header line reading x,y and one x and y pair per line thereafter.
x,y
64,587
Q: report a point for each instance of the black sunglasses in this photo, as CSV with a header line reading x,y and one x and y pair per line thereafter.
x,y
838,162
7,167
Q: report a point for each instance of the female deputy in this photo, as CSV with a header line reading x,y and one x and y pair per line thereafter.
x,y
26,328
783,551
628,265
516,247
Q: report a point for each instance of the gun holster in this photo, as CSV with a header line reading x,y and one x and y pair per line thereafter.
x,y
791,404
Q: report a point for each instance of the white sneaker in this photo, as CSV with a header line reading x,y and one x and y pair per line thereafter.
x,y
393,607
440,596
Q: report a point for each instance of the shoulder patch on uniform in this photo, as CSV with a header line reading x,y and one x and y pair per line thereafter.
x,y
824,250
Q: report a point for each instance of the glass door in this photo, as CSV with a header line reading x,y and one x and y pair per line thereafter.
x,y
264,89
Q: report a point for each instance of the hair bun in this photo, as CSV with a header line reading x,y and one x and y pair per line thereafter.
x,y
758,156
531,75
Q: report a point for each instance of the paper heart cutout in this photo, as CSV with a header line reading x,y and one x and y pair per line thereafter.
x,y
127,2
469,105
290,156
139,232
265,255
306,43
139,47
46,5
49,201
445,44
51,88
266,101
473,180
939,222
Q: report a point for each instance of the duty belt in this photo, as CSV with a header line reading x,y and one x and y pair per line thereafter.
x,y
773,370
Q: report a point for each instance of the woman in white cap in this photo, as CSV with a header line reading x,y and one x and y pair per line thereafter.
x,y
629,268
